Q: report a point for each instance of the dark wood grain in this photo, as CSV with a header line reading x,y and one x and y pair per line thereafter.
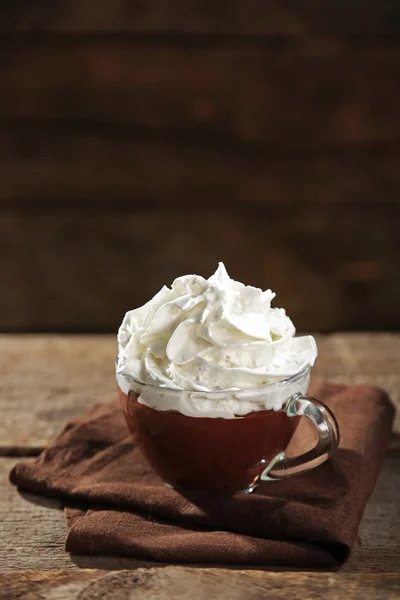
x,y
80,269
82,163
256,17
307,92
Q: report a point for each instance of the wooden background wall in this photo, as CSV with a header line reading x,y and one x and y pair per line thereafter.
x,y
144,139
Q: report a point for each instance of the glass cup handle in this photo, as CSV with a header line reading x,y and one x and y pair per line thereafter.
x,y
328,439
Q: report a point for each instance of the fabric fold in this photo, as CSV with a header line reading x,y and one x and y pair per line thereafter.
x,y
115,504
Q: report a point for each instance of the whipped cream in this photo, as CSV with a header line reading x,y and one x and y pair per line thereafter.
x,y
208,336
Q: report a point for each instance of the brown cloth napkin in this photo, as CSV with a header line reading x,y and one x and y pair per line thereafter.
x,y
117,505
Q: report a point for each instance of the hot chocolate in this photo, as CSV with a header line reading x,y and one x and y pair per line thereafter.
x,y
212,383
200,453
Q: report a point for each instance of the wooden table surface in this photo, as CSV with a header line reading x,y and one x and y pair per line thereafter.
x,y
45,380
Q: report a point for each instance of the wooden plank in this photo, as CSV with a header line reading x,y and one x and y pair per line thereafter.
x,y
95,164
268,17
79,269
45,380
106,164
32,531
309,92
184,582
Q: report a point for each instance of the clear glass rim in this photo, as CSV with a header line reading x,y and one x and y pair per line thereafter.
x,y
254,391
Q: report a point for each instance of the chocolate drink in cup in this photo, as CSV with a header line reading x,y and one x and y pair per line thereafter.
x,y
213,383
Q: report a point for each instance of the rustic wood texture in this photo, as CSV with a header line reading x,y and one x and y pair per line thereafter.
x,y
45,380
183,582
309,92
255,17
129,130
80,269
32,531
61,164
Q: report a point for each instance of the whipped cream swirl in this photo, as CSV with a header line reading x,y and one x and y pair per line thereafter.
x,y
211,334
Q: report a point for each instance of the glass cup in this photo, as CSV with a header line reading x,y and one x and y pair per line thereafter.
x,y
226,454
